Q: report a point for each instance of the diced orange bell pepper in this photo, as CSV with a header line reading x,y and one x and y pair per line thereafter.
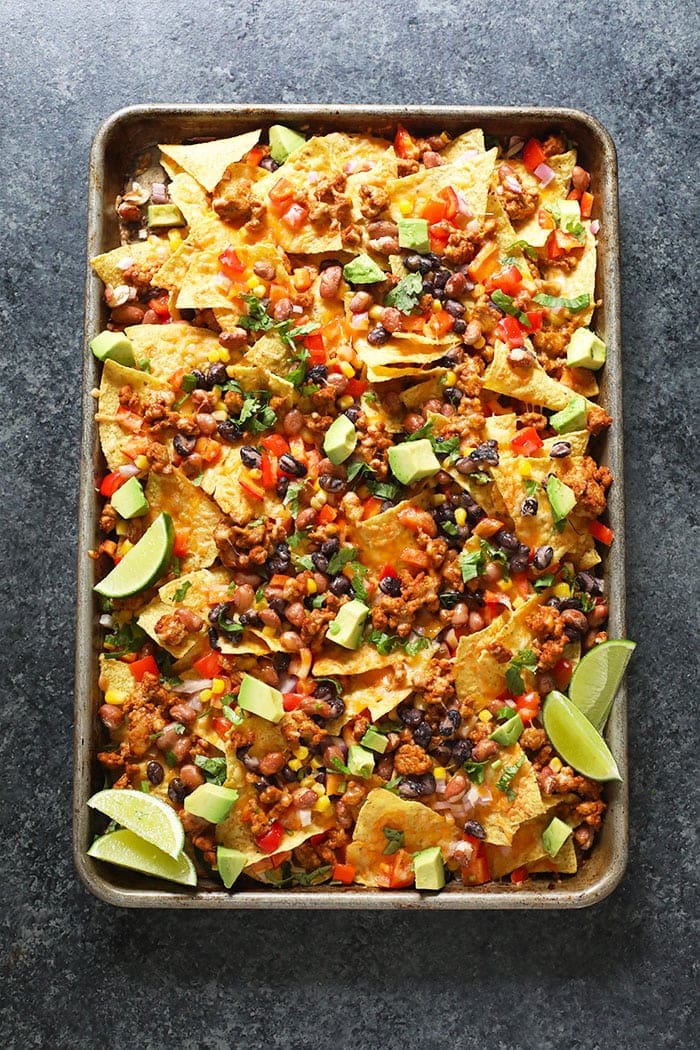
x,y
344,873
601,532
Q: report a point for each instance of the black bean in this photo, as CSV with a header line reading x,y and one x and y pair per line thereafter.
x,y
155,772
288,775
390,585
283,552
410,787
543,556
281,661
378,336
410,716
453,395
519,563
434,260
554,602
455,356
427,784
422,734
269,165
330,547
276,567
325,691
570,603
329,483
200,380
586,581
386,504
428,287
450,722
529,507
454,308
413,263
443,512
507,540
184,444
262,782
475,829
213,635
292,466
439,294
340,585
251,763
177,790
460,326
250,619
353,413
281,487
250,457
320,562
229,431
337,707
560,449
317,374
217,375
486,452
461,751
441,278
215,613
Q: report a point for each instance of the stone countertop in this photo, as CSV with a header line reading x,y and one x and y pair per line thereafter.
x,y
80,974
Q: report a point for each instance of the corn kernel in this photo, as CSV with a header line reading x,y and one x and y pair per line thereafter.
x,y
122,528
252,281
174,238
478,290
484,716
311,585
346,401
124,547
316,763
255,473
450,378
218,686
347,369
231,371
259,290
555,765
141,462
480,343
301,752
213,355
440,773
224,355
503,585
376,312
461,516
318,500
307,782
437,306
206,694
524,469
405,207
439,498
295,764
518,601
562,590
112,697
323,804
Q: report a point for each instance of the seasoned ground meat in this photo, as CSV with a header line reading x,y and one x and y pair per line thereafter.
x,y
499,652
398,615
589,483
298,729
144,720
374,200
534,419
553,145
237,205
411,760
550,639
313,629
533,739
129,399
330,851
551,343
373,442
244,546
108,518
519,204
439,691
158,458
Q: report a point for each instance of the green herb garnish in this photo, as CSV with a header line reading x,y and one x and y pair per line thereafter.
x,y
406,294
514,680
395,841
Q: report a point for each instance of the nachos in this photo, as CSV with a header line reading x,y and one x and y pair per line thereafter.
x,y
356,377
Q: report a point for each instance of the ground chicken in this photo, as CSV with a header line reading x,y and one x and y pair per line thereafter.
x,y
398,615
554,145
412,760
243,546
298,729
374,200
589,483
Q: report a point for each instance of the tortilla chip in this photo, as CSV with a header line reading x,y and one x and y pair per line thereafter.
x,y
253,377
470,177
209,233
417,394
421,827
526,849
207,161
385,168
189,197
169,347
383,538
205,286
206,588
149,254
117,679
402,348
352,661
531,385
501,817
564,862
194,515
562,166
112,434
270,355
222,481
387,373
580,280
464,147
478,675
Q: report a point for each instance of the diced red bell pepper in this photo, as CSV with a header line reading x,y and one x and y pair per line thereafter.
x,y
404,144
180,546
533,154
434,211
521,581
370,507
402,873
356,387
208,665
221,725
448,195
326,514
316,839
508,280
111,482
519,875
277,444
535,319
160,306
344,873
484,263
209,450
439,234
252,488
254,156
269,842
146,665
526,442
269,474
282,191
510,331
295,216
476,872
388,570
601,532
291,701
230,264
562,671
317,348
528,706
586,204
561,243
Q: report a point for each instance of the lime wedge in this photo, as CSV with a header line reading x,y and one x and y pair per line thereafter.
x,y
147,816
575,739
597,678
127,850
144,563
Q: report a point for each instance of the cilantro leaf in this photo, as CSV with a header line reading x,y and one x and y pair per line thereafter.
x,y
543,582
504,781
291,496
416,644
524,247
531,486
406,294
514,680
359,469
340,559
298,537
182,591
505,303
310,878
393,785
214,769
472,564
257,319
340,767
384,643
395,841
125,638
574,306
475,771
303,561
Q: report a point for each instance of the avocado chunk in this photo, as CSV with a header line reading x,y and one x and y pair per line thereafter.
x,y
340,440
346,629
360,761
561,498
283,141
230,863
555,835
362,270
585,350
413,460
429,869
569,214
129,500
573,417
413,234
165,215
211,802
375,741
260,699
113,346
509,732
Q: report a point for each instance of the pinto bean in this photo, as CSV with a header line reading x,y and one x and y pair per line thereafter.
x,y
476,621
304,797
413,421
270,618
167,739
191,776
295,613
576,619
129,212
183,713
338,381
189,619
264,269
455,785
206,422
128,313
330,282
460,614
360,303
391,319
272,763
234,339
247,579
291,642
580,178
193,466
484,749
598,616
282,310
455,285
472,333
431,159
385,245
383,228
293,422
181,748
305,518
111,716
343,815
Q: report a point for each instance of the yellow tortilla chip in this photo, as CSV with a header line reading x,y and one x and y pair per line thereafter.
x,y
383,538
222,480
207,161
352,661
110,266
387,373
470,177
194,515
168,347
464,147
418,393
402,348
580,280
531,385
526,849
517,802
197,591
206,286
115,679
270,355
112,434
562,165
189,196
209,233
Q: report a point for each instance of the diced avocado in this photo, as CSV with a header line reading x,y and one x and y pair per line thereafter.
x,y
413,460
360,761
555,835
129,501
509,732
362,270
413,234
114,346
346,629
375,741
585,350
165,215
561,498
260,699
283,141
211,802
230,863
340,440
569,213
573,417
429,869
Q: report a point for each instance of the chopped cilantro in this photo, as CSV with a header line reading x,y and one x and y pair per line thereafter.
x,y
291,496
310,878
505,303
256,414
359,468
543,582
126,638
384,643
340,559
171,759
340,767
214,769
449,527
395,841
188,382
416,644
303,561
393,785
475,771
472,564
514,680
531,486
524,247
574,306
406,294
504,781
369,395
182,590
298,537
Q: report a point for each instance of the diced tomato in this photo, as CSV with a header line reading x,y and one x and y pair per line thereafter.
x,y
146,665
160,306
269,841
526,442
545,219
277,444
180,546
441,322
252,488
439,233
519,875
448,195
209,450
317,348
402,873
356,387
404,144
230,264
111,482
221,725
326,514
476,872
316,839
269,473
282,191
208,665
521,581
484,262
291,701
508,280
370,507
434,211
295,216
533,154
535,319
344,873
561,243
575,195
388,570
586,204
128,420
254,156
562,671
601,532
510,330
528,706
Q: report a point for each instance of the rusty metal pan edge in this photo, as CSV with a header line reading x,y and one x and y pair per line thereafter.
x,y
586,891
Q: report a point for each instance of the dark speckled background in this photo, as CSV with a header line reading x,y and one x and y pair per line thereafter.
x,y
80,974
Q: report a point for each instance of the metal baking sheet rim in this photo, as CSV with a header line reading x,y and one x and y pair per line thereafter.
x,y
604,870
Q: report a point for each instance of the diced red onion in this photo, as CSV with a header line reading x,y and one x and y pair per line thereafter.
x,y
461,851
304,817
106,620
512,183
595,227
125,263
297,309
357,164
159,194
462,207
515,144
196,704
192,685
288,683
545,174
441,807
469,153
359,320
129,470
440,786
